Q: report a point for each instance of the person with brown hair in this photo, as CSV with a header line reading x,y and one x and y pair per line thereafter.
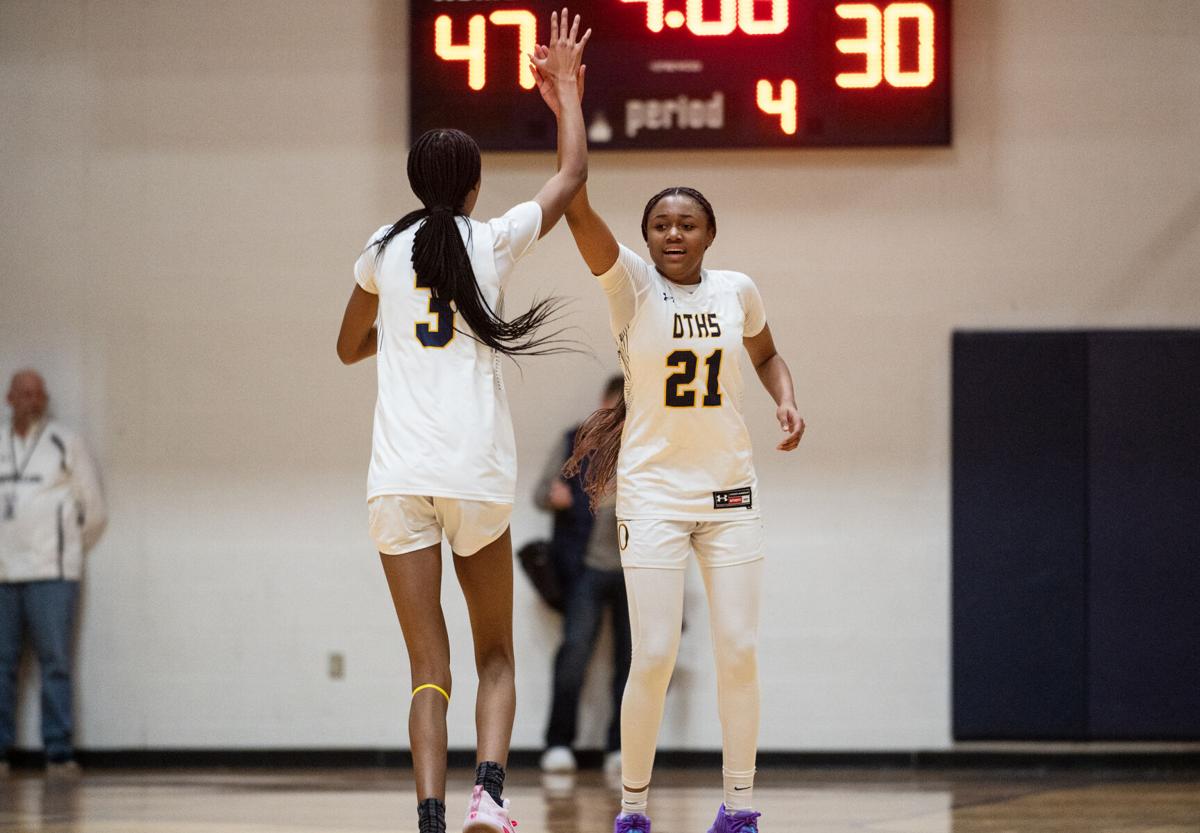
x,y
680,454
679,451
584,550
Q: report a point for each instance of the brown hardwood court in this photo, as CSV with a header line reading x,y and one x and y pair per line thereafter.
x,y
828,801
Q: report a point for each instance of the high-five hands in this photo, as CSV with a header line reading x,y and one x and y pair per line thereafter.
x,y
547,89
561,60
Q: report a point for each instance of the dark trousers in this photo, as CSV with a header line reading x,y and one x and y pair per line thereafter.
x,y
592,591
46,611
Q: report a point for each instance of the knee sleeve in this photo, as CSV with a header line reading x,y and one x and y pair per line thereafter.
x,y
736,656
654,659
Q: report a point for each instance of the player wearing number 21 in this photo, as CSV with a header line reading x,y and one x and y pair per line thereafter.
x,y
443,459
685,481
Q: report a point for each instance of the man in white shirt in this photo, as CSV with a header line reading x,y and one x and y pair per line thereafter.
x,y
51,513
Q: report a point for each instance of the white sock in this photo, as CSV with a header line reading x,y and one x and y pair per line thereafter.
x,y
634,801
739,790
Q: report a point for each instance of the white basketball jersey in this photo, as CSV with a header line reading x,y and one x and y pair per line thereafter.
x,y
685,451
442,424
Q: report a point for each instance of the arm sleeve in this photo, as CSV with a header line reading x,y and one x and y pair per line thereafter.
x,y
513,235
752,305
625,285
85,483
364,267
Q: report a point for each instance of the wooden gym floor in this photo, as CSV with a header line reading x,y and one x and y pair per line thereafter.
x,y
683,801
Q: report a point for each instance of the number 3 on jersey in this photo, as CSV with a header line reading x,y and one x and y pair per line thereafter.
x,y
687,362
442,332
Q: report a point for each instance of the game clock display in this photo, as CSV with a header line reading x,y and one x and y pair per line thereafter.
x,y
691,73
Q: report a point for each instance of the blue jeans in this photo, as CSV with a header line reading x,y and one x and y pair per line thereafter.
x,y
592,591
47,610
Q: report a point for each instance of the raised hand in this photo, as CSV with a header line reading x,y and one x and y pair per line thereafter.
x,y
546,85
559,63
558,69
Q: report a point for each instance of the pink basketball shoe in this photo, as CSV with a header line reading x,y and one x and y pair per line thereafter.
x,y
484,815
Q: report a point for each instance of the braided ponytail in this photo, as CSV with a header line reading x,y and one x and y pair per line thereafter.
x,y
443,168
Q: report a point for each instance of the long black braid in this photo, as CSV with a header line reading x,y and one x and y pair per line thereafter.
x,y
678,191
443,168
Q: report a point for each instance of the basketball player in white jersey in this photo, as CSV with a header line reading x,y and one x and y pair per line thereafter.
x,y
684,471
685,475
443,459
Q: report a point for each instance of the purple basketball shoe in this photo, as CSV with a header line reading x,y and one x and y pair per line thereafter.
x,y
633,823
743,821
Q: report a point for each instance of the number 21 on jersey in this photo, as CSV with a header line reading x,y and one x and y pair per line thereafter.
x,y
679,396
441,332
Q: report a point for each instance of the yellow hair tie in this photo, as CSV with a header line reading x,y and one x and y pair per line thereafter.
x,y
436,688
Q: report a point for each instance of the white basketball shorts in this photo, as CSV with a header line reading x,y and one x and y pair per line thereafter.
x,y
403,523
666,545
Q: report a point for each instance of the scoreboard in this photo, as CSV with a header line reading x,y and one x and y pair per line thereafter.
x,y
691,73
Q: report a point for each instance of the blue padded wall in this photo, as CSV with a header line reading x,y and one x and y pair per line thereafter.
x,y
1144,541
1076,535
1019,531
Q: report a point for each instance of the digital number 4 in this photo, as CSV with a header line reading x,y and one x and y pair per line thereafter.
x,y
785,106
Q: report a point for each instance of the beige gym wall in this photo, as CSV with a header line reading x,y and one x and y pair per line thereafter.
x,y
184,187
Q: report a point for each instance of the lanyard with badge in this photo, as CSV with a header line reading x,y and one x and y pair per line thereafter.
x,y
18,471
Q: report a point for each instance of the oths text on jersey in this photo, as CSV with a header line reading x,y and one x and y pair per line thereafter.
x,y
696,325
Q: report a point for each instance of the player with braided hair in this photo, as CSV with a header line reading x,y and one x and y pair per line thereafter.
x,y
443,461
